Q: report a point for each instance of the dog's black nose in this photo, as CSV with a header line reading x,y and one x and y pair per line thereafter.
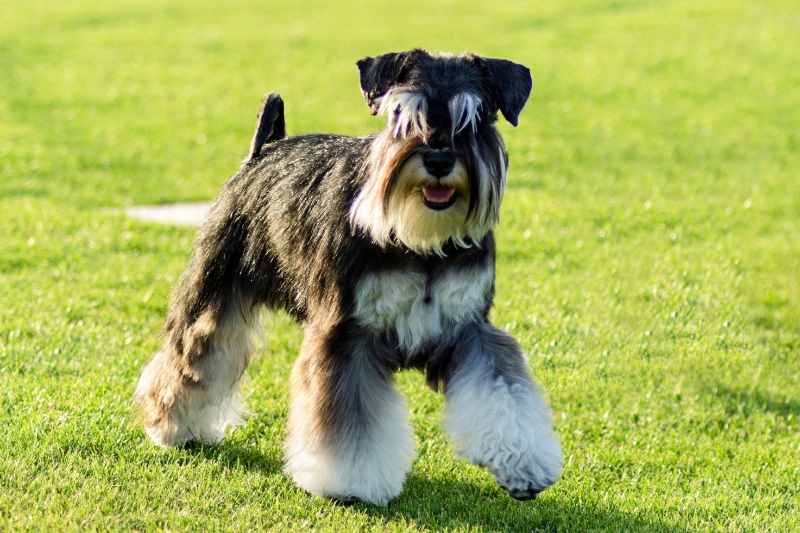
x,y
439,163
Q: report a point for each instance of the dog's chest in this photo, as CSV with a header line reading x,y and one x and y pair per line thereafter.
x,y
419,308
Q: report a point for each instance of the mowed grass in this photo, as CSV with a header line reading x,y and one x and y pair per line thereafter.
x,y
648,256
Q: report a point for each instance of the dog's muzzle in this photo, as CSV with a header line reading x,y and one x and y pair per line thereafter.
x,y
438,163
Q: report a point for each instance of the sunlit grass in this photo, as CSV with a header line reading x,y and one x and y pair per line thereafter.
x,y
647,256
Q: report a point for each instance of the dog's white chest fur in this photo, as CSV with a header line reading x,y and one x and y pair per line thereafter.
x,y
420,308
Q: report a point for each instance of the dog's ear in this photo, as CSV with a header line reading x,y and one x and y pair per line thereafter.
x,y
378,74
510,85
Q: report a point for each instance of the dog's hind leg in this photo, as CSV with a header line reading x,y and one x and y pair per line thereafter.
x,y
348,433
189,390
270,125
495,415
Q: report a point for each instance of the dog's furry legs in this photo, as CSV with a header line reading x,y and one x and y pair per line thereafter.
x,y
495,416
189,391
348,433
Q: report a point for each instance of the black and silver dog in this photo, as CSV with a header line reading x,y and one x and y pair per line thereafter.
x,y
383,246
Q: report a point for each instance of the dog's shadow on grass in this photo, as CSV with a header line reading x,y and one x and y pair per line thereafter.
x,y
453,500
456,501
443,504
234,455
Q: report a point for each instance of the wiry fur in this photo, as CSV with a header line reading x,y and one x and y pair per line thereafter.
x,y
383,246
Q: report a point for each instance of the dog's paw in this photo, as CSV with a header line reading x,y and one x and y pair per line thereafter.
x,y
371,495
524,477
344,502
509,431
523,495
346,490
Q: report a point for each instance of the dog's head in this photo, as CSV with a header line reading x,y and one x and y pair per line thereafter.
x,y
437,172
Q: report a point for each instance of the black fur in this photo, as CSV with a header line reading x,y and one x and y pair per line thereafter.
x,y
270,125
378,74
511,85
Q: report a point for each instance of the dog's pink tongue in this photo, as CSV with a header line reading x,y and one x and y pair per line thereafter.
x,y
438,194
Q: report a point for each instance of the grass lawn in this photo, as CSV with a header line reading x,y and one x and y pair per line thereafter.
x,y
648,256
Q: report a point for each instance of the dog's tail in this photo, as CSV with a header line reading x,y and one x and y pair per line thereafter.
x,y
270,125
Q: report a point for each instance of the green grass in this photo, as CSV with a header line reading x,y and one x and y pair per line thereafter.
x,y
648,256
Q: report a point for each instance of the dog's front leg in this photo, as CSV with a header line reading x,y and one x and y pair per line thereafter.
x,y
495,416
348,433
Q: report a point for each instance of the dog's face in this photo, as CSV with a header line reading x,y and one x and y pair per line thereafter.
x,y
437,172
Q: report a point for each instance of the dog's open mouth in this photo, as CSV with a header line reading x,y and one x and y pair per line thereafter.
x,y
438,196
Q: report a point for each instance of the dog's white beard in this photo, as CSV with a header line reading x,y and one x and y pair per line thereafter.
x,y
405,214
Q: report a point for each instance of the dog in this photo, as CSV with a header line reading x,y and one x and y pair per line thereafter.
x,y
383,246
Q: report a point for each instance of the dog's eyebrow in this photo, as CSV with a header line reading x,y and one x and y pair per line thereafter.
x,y
407,111
464,111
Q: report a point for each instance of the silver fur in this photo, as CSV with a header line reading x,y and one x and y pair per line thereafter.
x,y
464,112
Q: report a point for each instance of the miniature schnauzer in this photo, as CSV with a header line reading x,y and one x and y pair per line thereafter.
x,y
383,246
